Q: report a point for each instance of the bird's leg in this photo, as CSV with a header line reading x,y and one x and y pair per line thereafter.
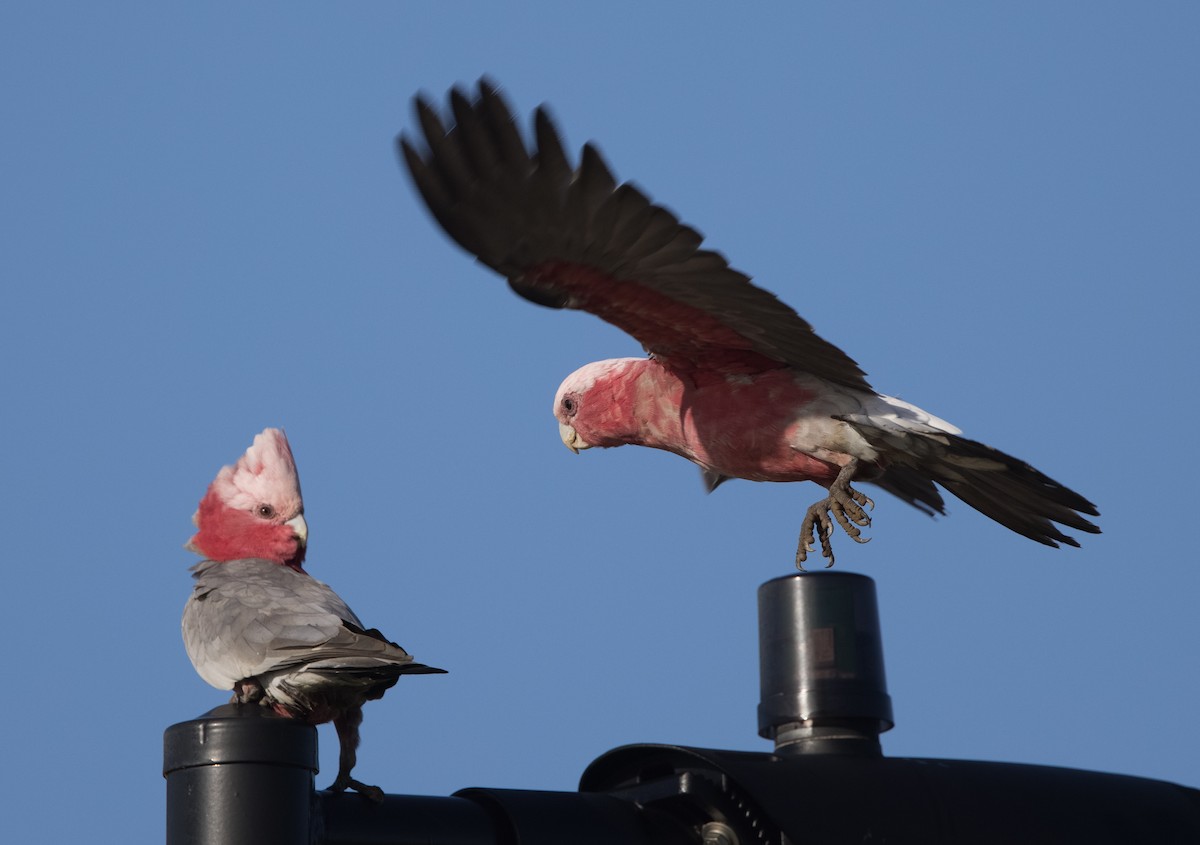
x,y
347,731
247,691
846,504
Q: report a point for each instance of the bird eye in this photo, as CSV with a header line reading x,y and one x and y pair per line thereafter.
x,y
265,511
570,406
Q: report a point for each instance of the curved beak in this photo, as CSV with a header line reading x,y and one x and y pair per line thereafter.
x,y
298,525
571,439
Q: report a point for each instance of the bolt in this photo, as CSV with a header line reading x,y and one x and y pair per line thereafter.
x,y
718,833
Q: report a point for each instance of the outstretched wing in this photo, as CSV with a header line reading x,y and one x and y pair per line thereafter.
x,y
570,237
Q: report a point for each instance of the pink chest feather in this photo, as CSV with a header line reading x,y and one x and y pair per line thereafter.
x,y
740,427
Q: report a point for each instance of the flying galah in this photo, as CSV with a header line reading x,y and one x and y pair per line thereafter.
x,y
736,381
259,625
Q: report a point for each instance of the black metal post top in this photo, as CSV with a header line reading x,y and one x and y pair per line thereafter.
x,y
821,676
239,733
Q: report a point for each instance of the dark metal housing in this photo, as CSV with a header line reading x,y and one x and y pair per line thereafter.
x,y
242,775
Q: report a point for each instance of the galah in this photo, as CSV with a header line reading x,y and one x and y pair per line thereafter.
x,y
736,381
259,625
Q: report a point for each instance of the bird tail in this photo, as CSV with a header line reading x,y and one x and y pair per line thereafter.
x,y
420,669
913,487
999,486
1007,489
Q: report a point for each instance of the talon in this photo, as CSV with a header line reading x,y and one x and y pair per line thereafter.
x,y
861,498
846,506
802,550
373,793
248,691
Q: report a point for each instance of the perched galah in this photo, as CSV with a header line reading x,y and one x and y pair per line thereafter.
x,y
736,381
259,625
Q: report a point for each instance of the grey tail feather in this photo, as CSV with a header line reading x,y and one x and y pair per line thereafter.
x,y
911,486
1009,491
420,669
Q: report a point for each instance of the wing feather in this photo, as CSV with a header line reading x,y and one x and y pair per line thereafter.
x,y
572,237
252,618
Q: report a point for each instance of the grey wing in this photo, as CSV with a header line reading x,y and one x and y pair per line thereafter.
x,y
252,617
355,665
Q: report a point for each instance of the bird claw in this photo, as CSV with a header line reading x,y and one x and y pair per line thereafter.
x,y
344,782
815,521
847,506
248,691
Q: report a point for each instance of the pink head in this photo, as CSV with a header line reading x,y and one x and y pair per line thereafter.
x,y
594,405
253,509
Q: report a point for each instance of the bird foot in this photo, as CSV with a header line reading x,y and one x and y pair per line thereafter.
x,y
248,691
847,506
344,782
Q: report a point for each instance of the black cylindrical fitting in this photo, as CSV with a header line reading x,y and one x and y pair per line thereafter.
x,y
239,774
821,664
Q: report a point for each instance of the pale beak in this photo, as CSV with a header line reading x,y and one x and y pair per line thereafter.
x,y
571,439
298,525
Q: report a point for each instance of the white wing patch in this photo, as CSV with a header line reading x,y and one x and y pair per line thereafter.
x,y
903,415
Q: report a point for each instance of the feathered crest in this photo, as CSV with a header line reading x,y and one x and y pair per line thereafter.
x,y
265,473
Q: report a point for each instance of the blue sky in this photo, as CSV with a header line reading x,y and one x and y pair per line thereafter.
x,y
205,231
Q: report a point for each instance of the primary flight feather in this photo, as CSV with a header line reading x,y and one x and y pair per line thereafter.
x,y
736,381
259,625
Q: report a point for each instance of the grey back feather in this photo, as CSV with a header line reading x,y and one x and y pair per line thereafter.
x,y
253,618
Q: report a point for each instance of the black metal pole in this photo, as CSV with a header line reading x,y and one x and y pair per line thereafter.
x,y
349,819
240,775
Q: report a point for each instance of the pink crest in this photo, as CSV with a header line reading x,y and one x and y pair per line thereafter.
x,y
265,473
